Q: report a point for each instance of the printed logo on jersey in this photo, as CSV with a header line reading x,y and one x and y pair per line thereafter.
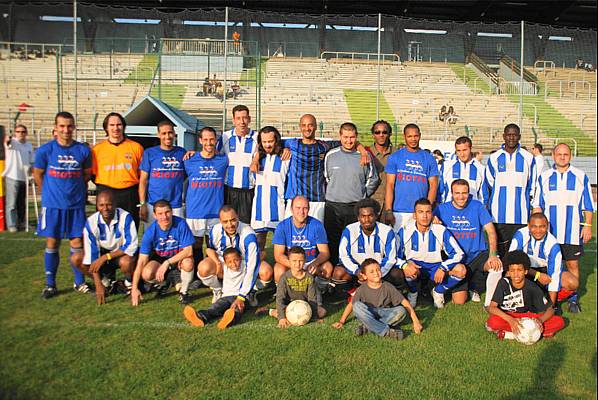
x,y
167,247
171,168
461,228
412,172
513,301
67,168
301,241
208,177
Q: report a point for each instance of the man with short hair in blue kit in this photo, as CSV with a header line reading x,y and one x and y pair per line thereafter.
x,y
165,246
62,169
205,188
411,174
162,174
467,219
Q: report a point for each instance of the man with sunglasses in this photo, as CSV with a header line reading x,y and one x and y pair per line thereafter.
x,y
380,150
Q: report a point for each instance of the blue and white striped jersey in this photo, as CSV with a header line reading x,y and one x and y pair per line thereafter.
x,y
246,242
509,184
425,249
381,245
240,151
120,233
564,197
268,199
472,171
545,253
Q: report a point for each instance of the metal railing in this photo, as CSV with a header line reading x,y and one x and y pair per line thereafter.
x,y
569,86
348,55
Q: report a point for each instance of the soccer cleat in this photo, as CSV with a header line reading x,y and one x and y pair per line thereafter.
x,y
49,291
438,299
128,286
395,334
227,319
412,297
557,310
501,335
474,296
82,288
162,290
216,295
361,330
573,307
192,316
184,298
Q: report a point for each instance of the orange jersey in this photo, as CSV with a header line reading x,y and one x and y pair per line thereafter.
x,y
117,166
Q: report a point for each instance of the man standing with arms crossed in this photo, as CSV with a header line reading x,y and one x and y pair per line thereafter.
x,y
564,194
61,170
381,150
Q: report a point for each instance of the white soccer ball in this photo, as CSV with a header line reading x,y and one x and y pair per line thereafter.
x,y
530,331
298,312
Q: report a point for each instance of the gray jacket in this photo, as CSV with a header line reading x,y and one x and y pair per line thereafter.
x,y
347,180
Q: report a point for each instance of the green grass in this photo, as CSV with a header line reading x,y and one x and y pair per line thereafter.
x,y
144,71
471,78
68,347
249,75
556,125
362,108
172,94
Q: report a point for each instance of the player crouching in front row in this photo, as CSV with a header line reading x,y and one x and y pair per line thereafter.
x,y
516,297
231,304
166,245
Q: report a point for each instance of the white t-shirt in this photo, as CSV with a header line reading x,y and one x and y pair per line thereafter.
x,y
19,157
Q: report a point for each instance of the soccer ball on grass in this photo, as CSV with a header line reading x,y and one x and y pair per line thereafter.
x,y
298,312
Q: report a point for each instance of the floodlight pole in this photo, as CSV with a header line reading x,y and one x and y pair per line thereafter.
x,y
225,69
378,90
521,78
75,55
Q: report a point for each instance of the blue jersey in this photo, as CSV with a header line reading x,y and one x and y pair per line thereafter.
x,y
64,186
308,237
412,171
166,175
306,172
466,225
167,243
205,187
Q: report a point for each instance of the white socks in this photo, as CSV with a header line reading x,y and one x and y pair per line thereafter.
x,y
186,278
211,282
491,283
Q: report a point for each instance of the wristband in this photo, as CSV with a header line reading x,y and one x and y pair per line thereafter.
x,y
108,256
170,266
537,276
141,204
388,211
241,298
585,224
493,254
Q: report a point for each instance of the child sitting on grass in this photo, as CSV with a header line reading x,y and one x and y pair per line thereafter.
x,y
294,284
516,297
378,305
230,306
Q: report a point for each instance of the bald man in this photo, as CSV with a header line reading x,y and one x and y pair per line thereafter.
x,y
306,171
564,194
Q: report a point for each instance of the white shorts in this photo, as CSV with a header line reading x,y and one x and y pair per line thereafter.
x,y
316,210
264,226
401,219
201,226
150,214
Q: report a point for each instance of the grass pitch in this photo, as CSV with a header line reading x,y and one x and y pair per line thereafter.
x,y
68,347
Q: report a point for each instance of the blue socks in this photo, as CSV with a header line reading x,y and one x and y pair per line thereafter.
x,y
79,277
51,261
450,283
